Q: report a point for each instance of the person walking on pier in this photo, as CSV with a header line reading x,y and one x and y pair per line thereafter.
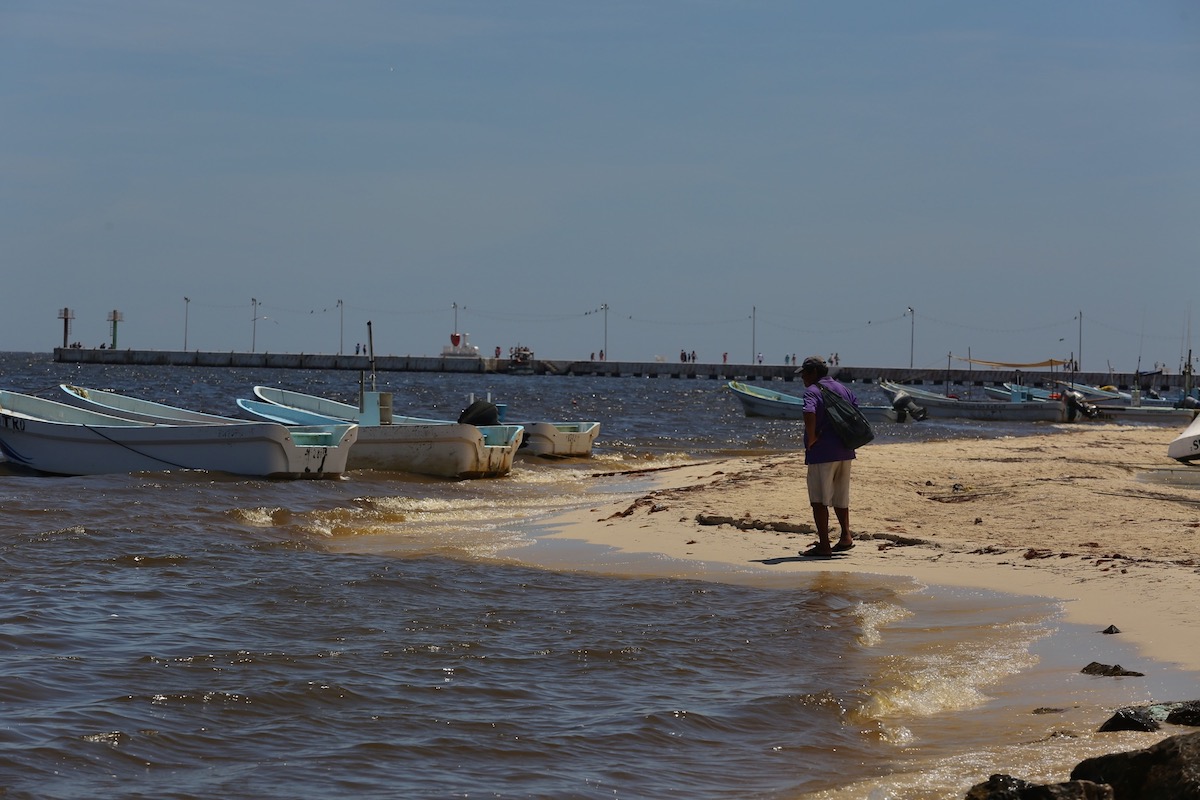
x,y
827,458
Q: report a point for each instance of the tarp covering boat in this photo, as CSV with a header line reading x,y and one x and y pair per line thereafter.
x,y
1049,362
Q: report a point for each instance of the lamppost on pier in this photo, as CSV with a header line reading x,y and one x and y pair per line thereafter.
x,y
341,326
1079,361
753,332
187,302
254,304
912,334
604,308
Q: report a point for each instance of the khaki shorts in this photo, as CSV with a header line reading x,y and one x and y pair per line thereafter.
x,y
829,484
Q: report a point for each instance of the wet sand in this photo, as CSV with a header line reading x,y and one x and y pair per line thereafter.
x,y
1096,516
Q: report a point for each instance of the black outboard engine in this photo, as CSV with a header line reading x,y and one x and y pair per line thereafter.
x,y
1076,405
905,407
481,412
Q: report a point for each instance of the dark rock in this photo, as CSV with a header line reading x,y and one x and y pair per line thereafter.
x,y
1169,770
1006,787
1130,719
1111,629
1117,671
1148,717
997,787
1185,714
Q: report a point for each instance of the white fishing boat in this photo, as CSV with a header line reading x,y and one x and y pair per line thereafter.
x,y
61,439
120,405
1005,391
386,441
1092,394
559,439
1109,409
552,439
1155,415
1019,408
1112,396
759,402
1186,446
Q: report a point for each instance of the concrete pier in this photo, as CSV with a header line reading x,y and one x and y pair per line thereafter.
x,y
638,369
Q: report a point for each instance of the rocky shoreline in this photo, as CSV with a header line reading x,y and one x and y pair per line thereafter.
x,y
1168,770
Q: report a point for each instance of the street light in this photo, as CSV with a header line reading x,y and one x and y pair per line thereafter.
x,y
604,355
1078,365
254,304
912,334
753,332
187,302
341,326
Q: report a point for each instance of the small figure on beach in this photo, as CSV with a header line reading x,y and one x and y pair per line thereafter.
x,y
827,458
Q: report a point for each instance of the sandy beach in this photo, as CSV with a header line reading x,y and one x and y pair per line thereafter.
x,y
1096,516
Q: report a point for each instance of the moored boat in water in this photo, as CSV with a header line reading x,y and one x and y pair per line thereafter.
x,y
1019,408
439,448
61,439
759,402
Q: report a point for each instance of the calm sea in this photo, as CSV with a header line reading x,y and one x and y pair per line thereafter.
x,y
189,635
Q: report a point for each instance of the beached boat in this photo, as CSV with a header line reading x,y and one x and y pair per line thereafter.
x,y
559,439
759,402
1017,409
439,448
1156,415
552,439
1186,446
120,405
1110,395
1108,409
62,439
1004,392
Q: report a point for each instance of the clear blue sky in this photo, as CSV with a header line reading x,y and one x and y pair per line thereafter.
x,y
724,175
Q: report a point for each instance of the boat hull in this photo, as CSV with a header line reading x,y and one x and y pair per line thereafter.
x,y
38,434
559,439
759,402
940,407
422,447
120,405
1158,415
1186,446
443,451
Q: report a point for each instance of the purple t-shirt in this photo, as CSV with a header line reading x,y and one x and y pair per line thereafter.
x,y
828,447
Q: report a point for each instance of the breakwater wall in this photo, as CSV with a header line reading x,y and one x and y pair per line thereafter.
x,y
639,369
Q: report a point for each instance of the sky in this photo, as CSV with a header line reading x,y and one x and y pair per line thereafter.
x,y
719,176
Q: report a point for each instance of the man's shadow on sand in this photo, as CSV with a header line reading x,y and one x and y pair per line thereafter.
x,y
793,559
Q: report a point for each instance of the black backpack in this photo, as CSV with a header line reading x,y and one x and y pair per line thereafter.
x,y
848,422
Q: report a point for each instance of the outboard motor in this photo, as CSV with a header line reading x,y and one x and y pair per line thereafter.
x,y
481,412
1188,402
1076,405
905,407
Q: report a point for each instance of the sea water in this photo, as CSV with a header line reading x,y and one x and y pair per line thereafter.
x,y
193,635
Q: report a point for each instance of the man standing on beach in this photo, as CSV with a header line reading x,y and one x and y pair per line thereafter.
x,y
827,458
